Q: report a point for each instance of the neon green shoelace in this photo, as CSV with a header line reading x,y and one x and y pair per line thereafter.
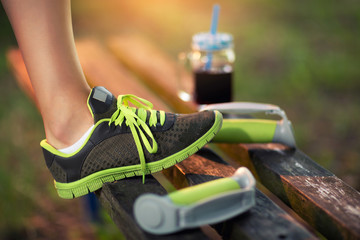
x,y
137,120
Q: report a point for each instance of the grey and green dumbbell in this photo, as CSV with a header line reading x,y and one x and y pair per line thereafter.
x,y
202,204
241,127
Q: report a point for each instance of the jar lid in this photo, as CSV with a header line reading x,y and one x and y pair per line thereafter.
x,y
208,42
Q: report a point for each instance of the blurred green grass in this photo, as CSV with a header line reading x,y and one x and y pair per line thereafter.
x,y
302,56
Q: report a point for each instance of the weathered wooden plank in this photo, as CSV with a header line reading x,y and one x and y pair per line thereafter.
x,y
101,68
153,66
264,221
318,196
118,198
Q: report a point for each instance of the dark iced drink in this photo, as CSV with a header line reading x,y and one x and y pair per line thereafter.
x,y
212,87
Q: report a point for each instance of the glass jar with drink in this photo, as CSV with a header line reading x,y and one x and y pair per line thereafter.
x,y
212,59
210,63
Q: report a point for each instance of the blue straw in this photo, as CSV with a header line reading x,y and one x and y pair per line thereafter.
x,y
213,29
214,19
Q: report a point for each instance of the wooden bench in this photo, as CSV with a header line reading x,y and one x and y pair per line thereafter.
x,y
296,198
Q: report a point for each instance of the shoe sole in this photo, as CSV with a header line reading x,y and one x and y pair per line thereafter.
x,y
96,180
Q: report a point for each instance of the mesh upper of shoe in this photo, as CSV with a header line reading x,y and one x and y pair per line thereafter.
x,y
120,150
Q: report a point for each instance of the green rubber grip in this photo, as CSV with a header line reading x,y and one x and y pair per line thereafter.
x,y
202,191
246,131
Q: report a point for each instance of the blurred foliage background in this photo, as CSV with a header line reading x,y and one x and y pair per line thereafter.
x,y
301,55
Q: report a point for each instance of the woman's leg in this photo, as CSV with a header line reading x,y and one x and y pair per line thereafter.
x,y
44,33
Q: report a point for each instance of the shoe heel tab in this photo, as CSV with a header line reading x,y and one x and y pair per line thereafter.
x,y
46,146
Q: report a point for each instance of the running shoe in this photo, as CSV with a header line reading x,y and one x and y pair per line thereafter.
x,y
127,141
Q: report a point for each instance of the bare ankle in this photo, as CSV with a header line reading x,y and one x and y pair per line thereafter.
x,y
68,128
